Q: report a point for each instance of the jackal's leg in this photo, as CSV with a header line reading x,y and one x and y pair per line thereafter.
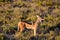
x,y
34,32
18,28
21,29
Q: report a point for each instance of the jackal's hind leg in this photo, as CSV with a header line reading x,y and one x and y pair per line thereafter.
x,y
18,29
21,29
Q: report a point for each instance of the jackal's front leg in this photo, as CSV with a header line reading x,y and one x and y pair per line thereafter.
x,y
34,32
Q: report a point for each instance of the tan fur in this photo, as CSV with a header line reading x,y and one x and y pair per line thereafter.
x,y
23,25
